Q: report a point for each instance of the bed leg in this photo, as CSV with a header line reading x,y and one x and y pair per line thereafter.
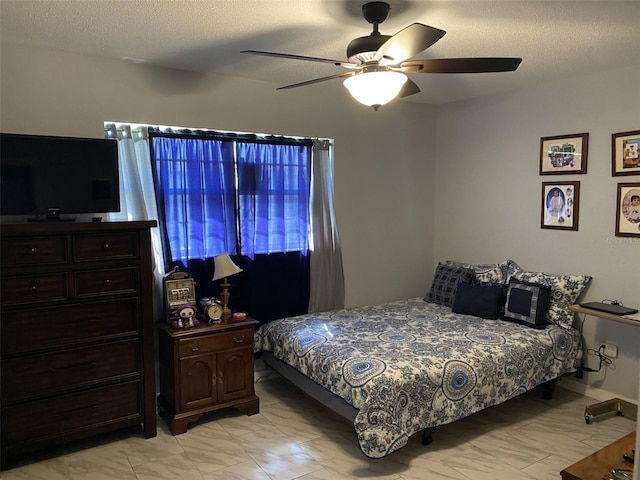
x,y
547,390
426,436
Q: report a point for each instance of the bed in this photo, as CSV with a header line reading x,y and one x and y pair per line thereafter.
x,y
407,366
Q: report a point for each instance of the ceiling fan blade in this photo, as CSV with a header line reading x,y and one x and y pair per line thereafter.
x,y
409,88
461,65
338,63
317,80
407,43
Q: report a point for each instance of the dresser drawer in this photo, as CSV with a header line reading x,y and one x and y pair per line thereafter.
x,y
32,421
42,328
215,342
34,288
18,251
53,372
105,246
106,282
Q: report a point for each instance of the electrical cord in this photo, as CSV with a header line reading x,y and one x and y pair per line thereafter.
x,y
603,359
613,302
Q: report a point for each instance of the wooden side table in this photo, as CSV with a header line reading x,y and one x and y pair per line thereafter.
x,y
595,466
205,368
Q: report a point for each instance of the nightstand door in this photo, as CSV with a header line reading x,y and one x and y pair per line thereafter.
x,y
198,381
235,373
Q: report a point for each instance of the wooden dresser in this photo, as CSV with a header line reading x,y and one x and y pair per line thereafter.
x,y
205,368
77,332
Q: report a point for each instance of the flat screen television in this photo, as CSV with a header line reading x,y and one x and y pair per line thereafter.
x,y
48,176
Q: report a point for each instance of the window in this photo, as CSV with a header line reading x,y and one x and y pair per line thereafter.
x,y
240,196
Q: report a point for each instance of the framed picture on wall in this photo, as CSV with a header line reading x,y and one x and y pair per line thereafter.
x,y
560,202
564,154
625,153
628,210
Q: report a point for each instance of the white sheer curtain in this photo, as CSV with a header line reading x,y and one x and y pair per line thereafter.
x,y
327,275
137,194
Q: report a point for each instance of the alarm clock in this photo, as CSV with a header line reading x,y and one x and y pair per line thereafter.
x,y
212,309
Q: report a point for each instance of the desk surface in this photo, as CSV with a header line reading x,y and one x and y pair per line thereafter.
x,y
605,315
604,460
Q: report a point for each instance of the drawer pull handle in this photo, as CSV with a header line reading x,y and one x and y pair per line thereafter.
x,y
32,251
238,338
107,282
76,410
195,347
105,246
33,287
220,381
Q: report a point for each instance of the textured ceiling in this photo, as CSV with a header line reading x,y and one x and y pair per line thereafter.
x,y
554,38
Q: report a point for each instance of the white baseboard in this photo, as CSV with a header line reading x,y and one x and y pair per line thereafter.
x,y
591,392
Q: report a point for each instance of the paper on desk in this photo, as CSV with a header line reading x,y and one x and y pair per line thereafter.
x,y
634,316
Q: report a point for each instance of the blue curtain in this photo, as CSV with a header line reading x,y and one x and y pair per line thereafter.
x,y
274,183
195,183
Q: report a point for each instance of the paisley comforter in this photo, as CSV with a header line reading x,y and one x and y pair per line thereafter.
x,y
411,365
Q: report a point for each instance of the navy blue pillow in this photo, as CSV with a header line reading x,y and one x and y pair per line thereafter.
x,y
482,300
445,283
527,303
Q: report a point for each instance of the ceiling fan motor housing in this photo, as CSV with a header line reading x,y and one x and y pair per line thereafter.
x,y
359,47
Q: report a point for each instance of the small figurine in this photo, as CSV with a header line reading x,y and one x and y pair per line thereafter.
x,y
186,317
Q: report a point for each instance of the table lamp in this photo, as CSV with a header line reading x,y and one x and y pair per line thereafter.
x,y
223,268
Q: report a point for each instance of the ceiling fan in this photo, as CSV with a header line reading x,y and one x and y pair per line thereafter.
x,y
378,63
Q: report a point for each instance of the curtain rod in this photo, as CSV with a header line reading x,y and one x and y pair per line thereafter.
x,y
228,136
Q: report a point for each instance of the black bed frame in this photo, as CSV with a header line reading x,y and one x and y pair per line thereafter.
x,y
337,404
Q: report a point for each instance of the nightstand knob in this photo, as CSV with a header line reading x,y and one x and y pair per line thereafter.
x,y
195,347
238,338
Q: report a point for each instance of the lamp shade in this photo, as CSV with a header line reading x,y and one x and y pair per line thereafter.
x,y
224,267
375,88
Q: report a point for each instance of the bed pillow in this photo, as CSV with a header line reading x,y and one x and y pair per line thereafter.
x,y
484,272
445,283
508,269
565,290
527,303
482,300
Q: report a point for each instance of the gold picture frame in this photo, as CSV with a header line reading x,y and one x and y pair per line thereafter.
x,y
564,154
625,153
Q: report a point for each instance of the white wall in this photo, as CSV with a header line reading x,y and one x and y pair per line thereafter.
x,y
384,161
488,196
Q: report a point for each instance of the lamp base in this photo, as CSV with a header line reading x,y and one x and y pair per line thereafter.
x,y
226,311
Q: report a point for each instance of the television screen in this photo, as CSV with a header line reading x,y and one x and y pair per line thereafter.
x,y
44,174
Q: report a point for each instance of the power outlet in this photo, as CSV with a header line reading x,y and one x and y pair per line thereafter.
x,y
610,349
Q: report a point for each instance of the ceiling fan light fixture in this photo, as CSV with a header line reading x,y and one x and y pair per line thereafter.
x,y
375,89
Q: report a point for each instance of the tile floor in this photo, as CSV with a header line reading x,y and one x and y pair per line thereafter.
x,y
295,438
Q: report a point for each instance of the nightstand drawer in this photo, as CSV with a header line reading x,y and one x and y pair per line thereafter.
x,y
212,343
106,282
33,250
54,372
34,288
66,413
88,248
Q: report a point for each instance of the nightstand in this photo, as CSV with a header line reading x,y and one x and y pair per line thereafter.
x,y
205,368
